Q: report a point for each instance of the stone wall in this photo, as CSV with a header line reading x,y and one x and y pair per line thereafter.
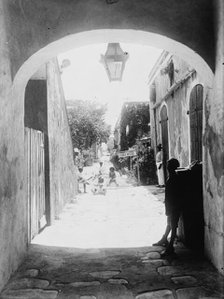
x,y
13,207
13,183
214,155
62,170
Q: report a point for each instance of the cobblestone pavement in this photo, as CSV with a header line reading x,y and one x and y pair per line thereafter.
x,y
51,272
100,248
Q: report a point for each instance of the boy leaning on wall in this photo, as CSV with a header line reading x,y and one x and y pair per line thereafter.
x,y
172,207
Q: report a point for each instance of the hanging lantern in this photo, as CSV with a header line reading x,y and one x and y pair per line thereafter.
x,y
114,61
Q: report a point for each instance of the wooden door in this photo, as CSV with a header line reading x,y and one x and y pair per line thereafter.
x,y
165,137
195,114
35,181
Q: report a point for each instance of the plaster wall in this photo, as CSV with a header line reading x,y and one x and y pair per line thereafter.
x,y
62,169
177,101
214,154
13,202
179,122
162,80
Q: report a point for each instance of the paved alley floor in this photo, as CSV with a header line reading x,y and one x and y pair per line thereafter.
x,y
125,217
101,248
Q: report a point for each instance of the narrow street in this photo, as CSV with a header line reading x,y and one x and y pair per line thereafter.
x,y
101,248
125,217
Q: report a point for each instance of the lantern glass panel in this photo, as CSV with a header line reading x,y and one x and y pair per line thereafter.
x,y
115,69
114,61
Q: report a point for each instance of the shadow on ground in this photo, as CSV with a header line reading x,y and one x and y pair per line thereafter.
x,y
51,272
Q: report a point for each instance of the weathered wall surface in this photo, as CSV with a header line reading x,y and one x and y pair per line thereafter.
x,y
38,23
13,209
213,140
13,200
177,101
214,154
162,80
62,170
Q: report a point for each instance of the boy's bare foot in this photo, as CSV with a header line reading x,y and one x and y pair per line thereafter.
x,y
162,242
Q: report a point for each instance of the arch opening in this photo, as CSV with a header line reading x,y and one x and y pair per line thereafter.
x,y
101,36
86,38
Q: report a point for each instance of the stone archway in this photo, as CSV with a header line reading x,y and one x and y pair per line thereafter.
x,y
92,37
31,65
99,36
34,31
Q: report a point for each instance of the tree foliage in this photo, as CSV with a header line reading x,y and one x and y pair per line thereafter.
x,y
135,117
87,124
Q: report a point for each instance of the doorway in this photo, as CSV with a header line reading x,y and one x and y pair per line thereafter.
x,y
36,148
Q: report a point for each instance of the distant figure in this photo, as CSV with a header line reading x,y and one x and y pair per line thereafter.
x,y
115,161
75,156
80,160
99,185
101,170
81,180
112,176
159,166
172,206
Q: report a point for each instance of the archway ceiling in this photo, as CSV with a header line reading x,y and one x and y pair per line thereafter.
x,y
35,24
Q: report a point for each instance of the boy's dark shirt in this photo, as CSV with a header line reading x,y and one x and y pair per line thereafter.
x,y
172,195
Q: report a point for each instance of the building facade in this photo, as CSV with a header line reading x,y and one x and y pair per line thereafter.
x,y
177,101
177,95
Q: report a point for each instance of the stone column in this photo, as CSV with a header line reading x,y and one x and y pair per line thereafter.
x,y
214,153
13,201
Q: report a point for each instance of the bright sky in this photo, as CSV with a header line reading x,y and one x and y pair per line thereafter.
x,y
85,78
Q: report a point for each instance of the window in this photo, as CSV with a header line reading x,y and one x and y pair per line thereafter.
x,y
152,93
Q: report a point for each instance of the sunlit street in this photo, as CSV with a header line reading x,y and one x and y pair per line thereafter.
x,y
126,216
